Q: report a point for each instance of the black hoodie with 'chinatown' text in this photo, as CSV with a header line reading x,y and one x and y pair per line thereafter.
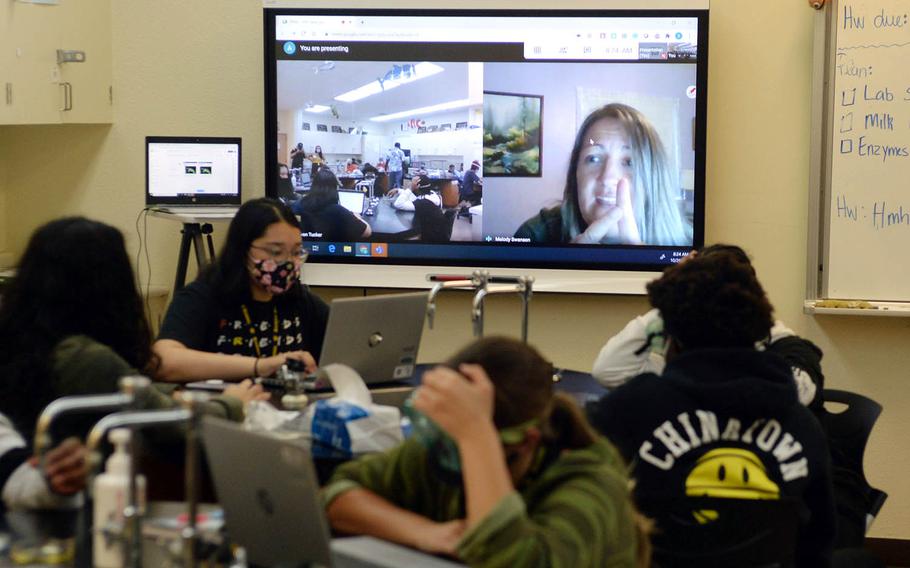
x,y
725,423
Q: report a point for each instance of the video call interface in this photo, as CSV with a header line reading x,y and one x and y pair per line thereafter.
x,y
542,141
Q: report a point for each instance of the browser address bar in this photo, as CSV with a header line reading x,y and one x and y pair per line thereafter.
x,y
432,34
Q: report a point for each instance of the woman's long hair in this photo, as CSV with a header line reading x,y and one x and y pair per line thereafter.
x,y
656,211
323,191
285,187
229,275
75,278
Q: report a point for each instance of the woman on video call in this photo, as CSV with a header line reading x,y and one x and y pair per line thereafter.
x,y
618,187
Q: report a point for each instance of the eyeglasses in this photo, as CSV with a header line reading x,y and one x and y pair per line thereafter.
x,y
279,254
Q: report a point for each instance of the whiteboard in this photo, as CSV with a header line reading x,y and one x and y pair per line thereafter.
x,y
861,142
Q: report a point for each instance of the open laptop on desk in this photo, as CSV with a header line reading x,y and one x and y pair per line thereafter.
x,y
193,176
272,507
351,200
377,336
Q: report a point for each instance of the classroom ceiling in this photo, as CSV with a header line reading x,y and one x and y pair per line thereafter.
x,y
317,82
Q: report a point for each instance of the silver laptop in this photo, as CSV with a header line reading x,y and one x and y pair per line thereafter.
x,y
193,175
377,336
269,492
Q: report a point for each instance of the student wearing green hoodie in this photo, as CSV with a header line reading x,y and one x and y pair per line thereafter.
x,y
499,471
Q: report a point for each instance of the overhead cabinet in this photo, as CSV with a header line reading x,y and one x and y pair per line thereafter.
x,y
55,62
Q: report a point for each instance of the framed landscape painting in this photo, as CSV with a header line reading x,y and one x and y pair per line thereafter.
x,y
512,129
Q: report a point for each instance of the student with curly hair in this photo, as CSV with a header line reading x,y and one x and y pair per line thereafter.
x,y
640,347
719,397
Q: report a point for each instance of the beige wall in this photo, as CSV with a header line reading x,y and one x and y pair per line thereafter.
x,y
196,68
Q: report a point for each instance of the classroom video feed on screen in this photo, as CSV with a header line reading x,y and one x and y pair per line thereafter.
x,y
512,153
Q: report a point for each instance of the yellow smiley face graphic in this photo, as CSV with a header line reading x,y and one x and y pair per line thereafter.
x,y
731,473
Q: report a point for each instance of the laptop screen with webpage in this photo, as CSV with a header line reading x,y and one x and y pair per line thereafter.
x,y
192,171
351,200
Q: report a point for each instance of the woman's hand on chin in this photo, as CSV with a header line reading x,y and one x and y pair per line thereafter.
x,y
617,225
627,227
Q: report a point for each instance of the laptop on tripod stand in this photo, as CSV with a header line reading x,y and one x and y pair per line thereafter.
x,y
193,176
194,180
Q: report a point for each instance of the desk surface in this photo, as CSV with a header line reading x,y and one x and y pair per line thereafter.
x,y
579,385
387,219
161,528
347,552
368,552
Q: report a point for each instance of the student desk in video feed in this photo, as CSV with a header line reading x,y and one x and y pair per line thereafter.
x,y
378,185
446,187
388,220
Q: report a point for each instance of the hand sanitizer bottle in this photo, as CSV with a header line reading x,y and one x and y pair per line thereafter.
x,y
111,493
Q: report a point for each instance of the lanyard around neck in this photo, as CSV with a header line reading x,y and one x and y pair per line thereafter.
x,y
276,338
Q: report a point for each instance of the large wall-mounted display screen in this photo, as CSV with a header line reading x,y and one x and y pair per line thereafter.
x,y
564,143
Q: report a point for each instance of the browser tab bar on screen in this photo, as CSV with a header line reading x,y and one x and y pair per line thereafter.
x,y
460,29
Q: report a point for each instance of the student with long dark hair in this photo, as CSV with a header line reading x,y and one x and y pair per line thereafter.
x,y
285,186
73,281
500,471
246,314
72,322
322,214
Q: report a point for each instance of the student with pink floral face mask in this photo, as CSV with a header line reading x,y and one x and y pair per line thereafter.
x,y
248,304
